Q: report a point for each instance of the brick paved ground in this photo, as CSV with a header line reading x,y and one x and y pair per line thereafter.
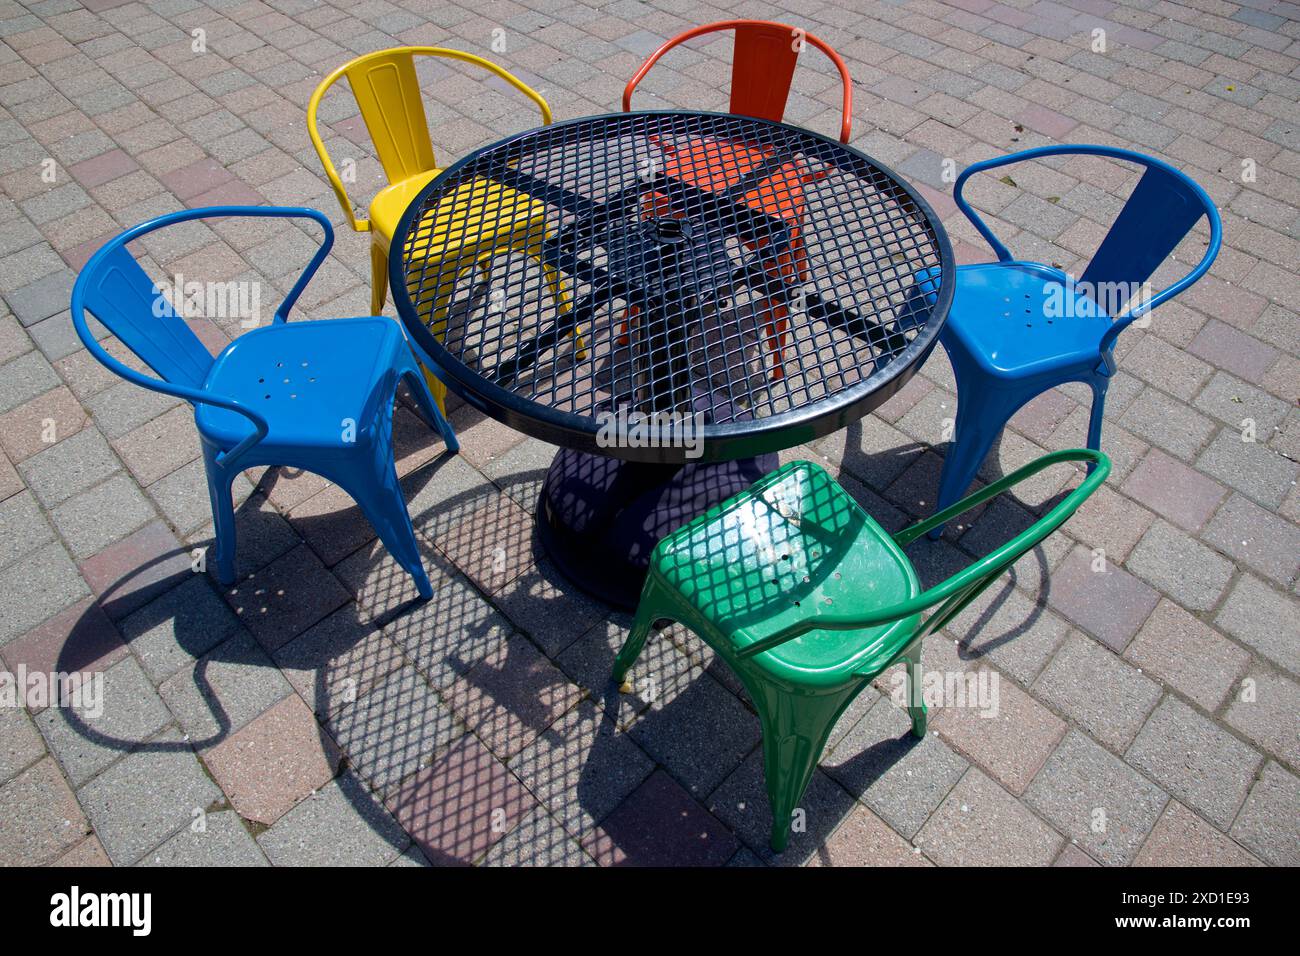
x,y
1148,714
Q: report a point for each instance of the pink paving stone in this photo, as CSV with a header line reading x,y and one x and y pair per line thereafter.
x,y
78,639
131,573
864,839
89,852
1047,121
1012,744
103,168
493,546
77,256
1181,838
1174,491
196,178
1073,856
40,423
457,809
1222,345
659,824
212,336
1110,605
274,762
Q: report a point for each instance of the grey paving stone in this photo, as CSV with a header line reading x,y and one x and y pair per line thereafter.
x,y
1096,800
1252,468
341,824
899,777
1264,619
1268,824
43,298
449,634
338,660
222,840
22,528
20,744
1181,567
1099,691
183,499
227,687
24,378
175,629
106,513
538,840
1256,538
1167,423
1006,628
39,586
1267,710
69,467
125,406
697,730
146,797
1188,655
86,743
1198,762
399,727
42,817
980,824
741,803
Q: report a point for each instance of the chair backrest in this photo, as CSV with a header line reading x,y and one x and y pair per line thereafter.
x,y
951,596
119,293
1161,210
762,67
116,290
387,90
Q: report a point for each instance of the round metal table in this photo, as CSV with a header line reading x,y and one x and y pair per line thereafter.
x,y
671,297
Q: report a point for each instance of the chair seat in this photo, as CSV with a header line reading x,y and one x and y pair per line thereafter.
x,y
458,220
307,379
1021,319
793,546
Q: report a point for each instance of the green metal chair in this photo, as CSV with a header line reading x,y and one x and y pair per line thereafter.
x,y
808,599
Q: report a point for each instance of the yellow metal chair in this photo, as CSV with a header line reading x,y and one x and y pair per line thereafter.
x,y
451,237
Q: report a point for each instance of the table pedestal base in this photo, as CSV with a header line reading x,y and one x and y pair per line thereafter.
x,y
599,518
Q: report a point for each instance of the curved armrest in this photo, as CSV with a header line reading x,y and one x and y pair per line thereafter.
x,y
846,80
218,212
332,174
186,392
960,589
191,395
1121,322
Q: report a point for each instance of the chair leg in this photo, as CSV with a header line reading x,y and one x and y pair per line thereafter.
x,y
1099,386
374,487
915,695
648,610
795,729
378,279
419,387
981,415
223,516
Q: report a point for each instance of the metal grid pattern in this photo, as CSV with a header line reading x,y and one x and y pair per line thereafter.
x,y
669,263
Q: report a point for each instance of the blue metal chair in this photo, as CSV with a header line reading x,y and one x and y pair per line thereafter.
x,y
312,395
1018,328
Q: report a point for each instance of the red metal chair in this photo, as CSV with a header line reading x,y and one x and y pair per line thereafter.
x,y
762,69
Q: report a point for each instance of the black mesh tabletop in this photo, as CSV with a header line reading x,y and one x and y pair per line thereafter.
x,y
770,282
